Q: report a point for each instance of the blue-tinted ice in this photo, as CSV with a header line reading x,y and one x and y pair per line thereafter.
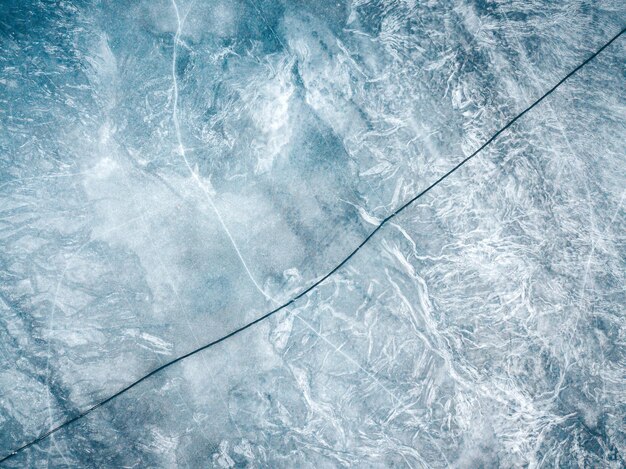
x,y
172,170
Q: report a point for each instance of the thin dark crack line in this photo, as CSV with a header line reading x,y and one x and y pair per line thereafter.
x,y
322,279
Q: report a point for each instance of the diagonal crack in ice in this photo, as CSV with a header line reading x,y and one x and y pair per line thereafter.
x,y
321,279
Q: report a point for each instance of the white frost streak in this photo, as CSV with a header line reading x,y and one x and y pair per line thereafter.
x,y
181,151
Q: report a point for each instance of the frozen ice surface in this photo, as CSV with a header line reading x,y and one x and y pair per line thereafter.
x,y
172,170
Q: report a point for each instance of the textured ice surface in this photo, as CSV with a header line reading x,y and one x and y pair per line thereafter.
x,y
170,171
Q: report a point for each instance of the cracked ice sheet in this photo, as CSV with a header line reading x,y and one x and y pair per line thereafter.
x,y
302,124
114,269
483,328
